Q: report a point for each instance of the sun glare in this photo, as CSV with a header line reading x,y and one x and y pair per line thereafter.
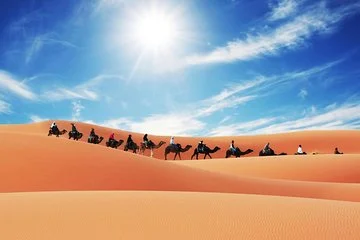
x,y
155,30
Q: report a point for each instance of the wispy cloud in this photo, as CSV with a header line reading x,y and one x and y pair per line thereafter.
x,y
303,93
190,120
317,19
22,26
76,110
345,116
36,118
240,128
283,8
67,94
9,83
38,42
84,91
5,107
187,121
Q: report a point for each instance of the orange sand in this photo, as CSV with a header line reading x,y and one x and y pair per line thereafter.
x,y
296,197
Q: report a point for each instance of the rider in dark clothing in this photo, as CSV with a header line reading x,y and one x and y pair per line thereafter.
x,y
54,129
93,135
129,141
200,146
74,130
232,147
145,140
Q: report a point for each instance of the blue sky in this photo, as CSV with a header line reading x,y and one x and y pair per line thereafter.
x,y
210,68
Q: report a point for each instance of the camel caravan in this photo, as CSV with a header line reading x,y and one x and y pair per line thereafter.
x,y
173,147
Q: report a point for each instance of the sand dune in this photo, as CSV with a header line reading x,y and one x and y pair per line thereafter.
x,y
286,197
319,168
162,215
41,163
323,142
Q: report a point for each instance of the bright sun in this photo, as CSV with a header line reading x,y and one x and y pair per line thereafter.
x,y
155,30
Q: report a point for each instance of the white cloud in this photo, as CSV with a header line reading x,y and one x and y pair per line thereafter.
x,y
38,42
76,110
303,93
346,116
240,128
8,83
36,118
225,119
84,91
5,107
188,120
283,9
66,94
166,124
317,20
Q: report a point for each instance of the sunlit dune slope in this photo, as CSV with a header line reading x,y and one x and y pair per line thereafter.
x,y
173,215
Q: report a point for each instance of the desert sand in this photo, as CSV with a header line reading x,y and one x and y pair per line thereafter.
x,y
56,188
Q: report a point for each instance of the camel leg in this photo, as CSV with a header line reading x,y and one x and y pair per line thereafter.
x,y
175,156
152,153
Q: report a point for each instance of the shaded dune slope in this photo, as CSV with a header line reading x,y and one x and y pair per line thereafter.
x,y
319,168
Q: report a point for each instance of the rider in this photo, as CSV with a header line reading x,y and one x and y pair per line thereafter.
x,y
146,140
172,141
54,128
129,141
266,148
92,134
232,147
200,146
73,129
112,137
300,151
337,151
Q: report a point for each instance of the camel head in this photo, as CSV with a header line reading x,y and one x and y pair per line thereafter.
x,y
187,148
216,148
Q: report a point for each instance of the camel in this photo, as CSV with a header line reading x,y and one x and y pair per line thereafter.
x,y
237,152
132,146
75,137
177,149
95,139
270,152
150,146
114,143
51,132
206,151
